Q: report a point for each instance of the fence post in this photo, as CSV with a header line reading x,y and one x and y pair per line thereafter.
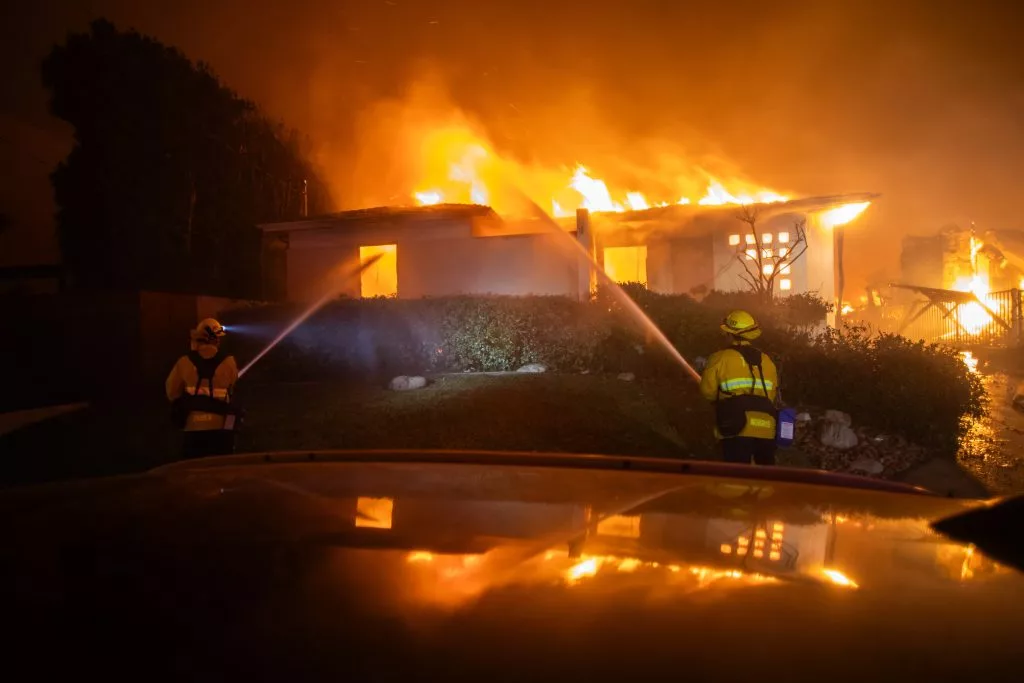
x,y
1016,313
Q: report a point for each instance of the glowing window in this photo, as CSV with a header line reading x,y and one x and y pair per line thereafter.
x,y
381,278
766,238
734,240
751,254
785,284
784,237
758,554
626,526
774,556
766,253
768,268
626,264
726,549
782,252
374,513
750,239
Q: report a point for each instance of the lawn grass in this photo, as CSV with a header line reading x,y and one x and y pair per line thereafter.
x,y
545,412
571,413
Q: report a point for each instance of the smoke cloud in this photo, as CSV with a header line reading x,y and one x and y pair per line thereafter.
x,y
921,102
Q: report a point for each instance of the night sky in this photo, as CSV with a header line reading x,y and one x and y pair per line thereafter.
x,y
921,101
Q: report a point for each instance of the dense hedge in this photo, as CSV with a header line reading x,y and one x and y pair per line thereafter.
x,y
888,382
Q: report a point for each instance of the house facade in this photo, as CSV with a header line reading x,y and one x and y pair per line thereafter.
x,y
466,249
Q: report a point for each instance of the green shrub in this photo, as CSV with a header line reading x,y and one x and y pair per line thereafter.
x,y
922,391
886,381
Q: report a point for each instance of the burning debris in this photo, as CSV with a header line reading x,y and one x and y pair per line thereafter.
x,y
971,285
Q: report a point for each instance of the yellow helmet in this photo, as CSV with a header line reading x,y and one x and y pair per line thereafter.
x,y
208,330
741,324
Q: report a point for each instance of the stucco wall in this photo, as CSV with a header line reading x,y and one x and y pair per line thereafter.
x,y
434,259
520,264
819,261
315,269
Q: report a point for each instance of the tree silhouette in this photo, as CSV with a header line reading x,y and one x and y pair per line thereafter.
x,y
763,264
170,172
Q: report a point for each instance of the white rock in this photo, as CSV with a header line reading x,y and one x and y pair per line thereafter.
x,y
533,367
803,417
404,383
838,417
867,465
627,376
838,436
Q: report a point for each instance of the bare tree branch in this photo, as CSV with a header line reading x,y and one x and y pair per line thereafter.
x,y
765,264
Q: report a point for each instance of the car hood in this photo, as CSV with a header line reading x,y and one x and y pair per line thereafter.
x,y
495,566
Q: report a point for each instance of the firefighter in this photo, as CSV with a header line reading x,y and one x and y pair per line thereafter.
x,y
743,385
200,389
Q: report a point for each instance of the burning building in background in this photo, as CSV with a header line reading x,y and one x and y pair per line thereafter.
x,y
959,285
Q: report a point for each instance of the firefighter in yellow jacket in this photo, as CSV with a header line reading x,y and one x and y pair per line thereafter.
x,y
743,385
200,388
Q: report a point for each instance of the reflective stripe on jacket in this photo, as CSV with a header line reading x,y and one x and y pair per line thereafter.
x,y
727,373
184,377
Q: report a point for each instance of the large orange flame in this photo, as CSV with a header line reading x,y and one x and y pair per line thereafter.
x,y
459,167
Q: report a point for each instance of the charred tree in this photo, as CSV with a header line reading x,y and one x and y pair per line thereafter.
x,y
763,263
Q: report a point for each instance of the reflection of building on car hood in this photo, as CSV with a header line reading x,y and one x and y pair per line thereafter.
x,y
248,562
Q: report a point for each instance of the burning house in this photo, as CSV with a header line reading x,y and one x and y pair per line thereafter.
x,y
449,249
959,285
491,225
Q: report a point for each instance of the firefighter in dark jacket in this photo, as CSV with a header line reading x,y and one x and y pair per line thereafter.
x,y
200,388
743,385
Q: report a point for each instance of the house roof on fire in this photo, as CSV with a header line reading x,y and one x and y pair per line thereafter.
x,y
384,214
653,219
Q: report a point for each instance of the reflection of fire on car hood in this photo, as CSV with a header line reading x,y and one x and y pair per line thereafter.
x,y
400,564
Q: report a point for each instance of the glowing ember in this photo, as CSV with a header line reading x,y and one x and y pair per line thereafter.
x,y
839,578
